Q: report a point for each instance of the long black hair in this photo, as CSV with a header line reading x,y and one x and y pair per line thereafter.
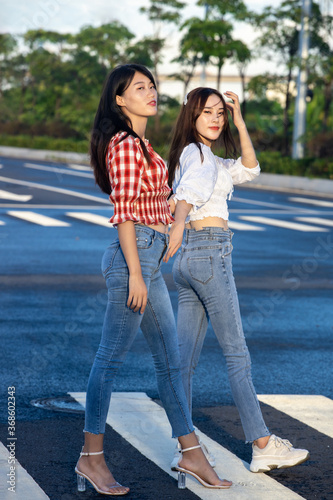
x,y
110,119
185,131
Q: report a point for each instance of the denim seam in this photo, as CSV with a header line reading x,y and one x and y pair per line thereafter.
x,y
121,331
194,350
166,357
248,377
112,260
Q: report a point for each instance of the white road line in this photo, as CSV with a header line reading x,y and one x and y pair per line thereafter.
x,y
74,166
315,411
57,170
244,227
316,220
283,223
265,204
58,207
39,219
310,201
6,195
25,486
55,190
144,424
93,218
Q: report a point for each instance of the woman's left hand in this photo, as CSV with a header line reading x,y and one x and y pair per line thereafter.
x,y
234,108
175,239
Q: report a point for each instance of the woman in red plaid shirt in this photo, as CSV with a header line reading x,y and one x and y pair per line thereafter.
x,y
135,177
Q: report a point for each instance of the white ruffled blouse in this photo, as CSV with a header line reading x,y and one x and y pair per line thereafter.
x,y
207,185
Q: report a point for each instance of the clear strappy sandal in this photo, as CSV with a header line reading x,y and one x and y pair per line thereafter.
x,y
182,476
81,479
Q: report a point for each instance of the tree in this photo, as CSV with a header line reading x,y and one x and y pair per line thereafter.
x,y
8,45
278,40
242,56
109,42
161,12
211,39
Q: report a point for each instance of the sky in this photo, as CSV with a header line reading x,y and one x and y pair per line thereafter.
x,y
66,16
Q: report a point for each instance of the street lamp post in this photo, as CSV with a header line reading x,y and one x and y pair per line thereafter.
x,y
300,106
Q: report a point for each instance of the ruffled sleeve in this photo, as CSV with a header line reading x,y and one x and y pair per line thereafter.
x,y
125,166
194,179
238,172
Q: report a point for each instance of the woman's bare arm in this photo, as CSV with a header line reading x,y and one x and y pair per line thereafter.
x,y
137,297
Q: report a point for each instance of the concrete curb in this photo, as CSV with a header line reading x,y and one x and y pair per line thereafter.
x,y
273,182
42,154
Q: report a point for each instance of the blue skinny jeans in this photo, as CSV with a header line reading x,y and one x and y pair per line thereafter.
x,y
206,287
121,325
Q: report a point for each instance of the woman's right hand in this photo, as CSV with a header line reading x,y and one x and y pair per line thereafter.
x,y
138,293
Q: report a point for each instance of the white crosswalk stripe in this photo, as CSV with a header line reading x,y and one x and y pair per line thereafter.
x,y
283,223
315,411
6,195
239,226
101,220
59,171
316,220
75,166
93,218
310,201
143,423
25,487
42,220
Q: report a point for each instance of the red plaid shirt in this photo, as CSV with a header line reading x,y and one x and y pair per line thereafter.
x,y
139,191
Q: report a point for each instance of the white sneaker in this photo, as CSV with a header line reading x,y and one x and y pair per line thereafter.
x,y
277,454
178,453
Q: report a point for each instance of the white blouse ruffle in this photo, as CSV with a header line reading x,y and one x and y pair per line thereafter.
x,y
207,185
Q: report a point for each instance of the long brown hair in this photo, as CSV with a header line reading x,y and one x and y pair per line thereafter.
x,y
185,131
110,119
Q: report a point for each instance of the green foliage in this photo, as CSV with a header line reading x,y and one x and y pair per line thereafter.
x,y
273,162
50,84
43,142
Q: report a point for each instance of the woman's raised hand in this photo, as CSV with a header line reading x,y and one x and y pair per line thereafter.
x,y
234,108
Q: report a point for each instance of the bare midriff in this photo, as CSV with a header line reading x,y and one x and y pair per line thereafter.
x,y
160,227
207,222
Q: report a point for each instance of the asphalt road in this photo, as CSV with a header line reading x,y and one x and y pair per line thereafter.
x,y
52,303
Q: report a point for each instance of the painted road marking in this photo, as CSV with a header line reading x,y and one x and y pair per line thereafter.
x,y
283,223
279,206
74,166
42,220
58,207
100,220
6,195
25,486
315,411
56,190
57,170
316,220
310,201
244,227
143,424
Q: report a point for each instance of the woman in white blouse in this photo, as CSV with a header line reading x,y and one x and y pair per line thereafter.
x,y
202,183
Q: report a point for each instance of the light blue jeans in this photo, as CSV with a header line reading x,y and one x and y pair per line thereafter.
x,y
203,274
121,325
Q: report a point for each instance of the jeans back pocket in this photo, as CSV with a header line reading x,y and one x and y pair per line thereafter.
x,y
201,268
